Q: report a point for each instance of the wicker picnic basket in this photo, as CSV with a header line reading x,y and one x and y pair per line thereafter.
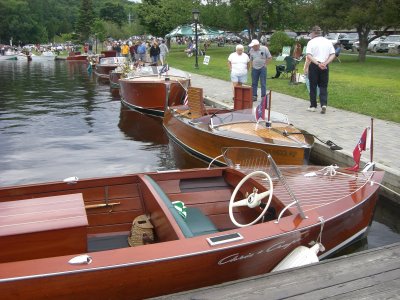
x,y
142,231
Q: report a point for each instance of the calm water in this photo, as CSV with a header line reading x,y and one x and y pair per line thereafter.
x,y
57,121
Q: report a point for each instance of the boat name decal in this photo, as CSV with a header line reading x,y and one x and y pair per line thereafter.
x,y
283,153
238,257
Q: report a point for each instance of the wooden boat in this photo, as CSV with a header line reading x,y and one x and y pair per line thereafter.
x,y
149,91
203,132
108,64
109,53
77,56
9,55
66,240
114,77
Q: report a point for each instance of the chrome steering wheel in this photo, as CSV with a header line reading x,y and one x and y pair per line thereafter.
x,y
253,200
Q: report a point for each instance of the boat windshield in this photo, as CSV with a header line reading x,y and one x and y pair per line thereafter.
x,y
245,115
113,60
157,71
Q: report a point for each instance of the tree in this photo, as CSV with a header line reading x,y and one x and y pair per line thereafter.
x,y
219,14
85,20
365,16
56,16
114,13
255,13
160,17
17,22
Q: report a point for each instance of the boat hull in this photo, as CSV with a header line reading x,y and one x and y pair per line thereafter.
x,y
104,71
8,57
109,53
43,58
153,95
180,263
207,145
77,57
114,78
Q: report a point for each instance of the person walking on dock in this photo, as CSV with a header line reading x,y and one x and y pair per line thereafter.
x,y
163,52
320,53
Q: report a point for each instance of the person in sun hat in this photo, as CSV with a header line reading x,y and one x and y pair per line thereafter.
x,y
320,52
259,58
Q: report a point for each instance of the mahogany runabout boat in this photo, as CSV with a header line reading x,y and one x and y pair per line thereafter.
x,y
77,56
203,132
108,64
115,76
151,91
109,53
192,228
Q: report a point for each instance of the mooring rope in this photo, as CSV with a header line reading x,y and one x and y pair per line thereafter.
x,y
331,170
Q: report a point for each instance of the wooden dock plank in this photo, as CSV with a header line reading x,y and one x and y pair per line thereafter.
x,y
371,274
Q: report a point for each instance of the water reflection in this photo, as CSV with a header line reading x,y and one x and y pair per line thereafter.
x,y
57,121
141,127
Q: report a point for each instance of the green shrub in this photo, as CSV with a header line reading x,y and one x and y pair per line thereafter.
x,y
303,42
278,40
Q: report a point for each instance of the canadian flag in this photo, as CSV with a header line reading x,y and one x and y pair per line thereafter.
x,y
264,104
260,110
363,144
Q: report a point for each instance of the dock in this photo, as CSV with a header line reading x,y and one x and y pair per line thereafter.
x,y
371,274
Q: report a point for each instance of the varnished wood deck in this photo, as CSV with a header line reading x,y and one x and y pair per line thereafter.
x,y
316,191
372,274
274,133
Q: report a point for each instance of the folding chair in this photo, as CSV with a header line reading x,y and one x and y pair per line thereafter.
x,y
285,52
291,67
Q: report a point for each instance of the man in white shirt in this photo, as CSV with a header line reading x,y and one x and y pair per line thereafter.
x,y
320,52
238,63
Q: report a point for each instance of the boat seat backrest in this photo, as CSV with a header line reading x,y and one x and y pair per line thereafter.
x,y
196,223
195,102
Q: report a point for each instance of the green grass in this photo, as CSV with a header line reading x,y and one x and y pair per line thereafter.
x,y
370,88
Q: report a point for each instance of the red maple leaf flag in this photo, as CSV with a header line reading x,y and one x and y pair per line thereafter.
x,y
260,110
363,144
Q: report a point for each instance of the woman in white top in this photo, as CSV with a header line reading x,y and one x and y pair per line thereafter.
x,y
239,63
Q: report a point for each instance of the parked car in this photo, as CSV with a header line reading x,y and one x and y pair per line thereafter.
x,y
335,37
372,46
306,37
264,39
348,40
392,41
291,34
233,38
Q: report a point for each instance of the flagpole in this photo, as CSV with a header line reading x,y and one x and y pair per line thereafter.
x,y
268,123
371,152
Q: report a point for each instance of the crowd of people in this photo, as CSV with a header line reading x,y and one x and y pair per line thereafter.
x,y
140,51
319,54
